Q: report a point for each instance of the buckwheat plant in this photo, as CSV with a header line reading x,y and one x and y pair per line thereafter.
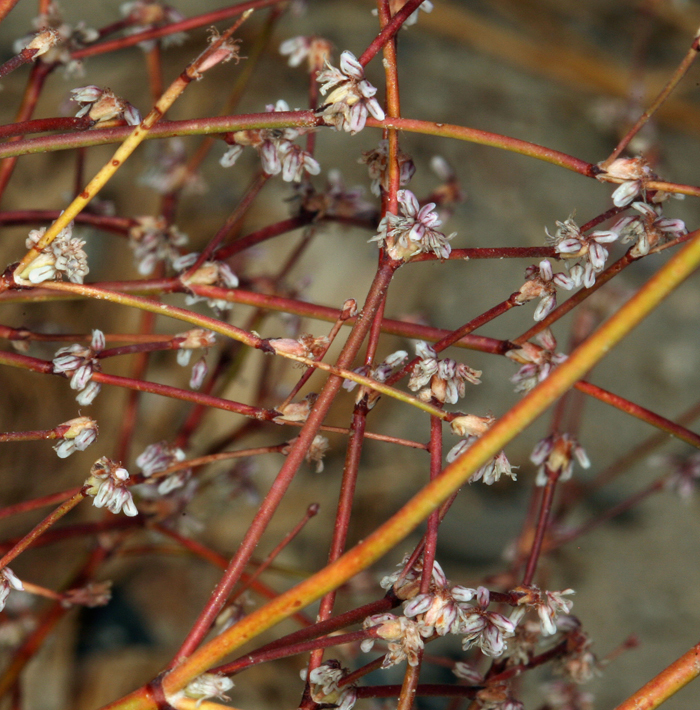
x,y
369,385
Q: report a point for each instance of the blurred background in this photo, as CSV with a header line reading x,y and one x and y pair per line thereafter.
x,y
567,74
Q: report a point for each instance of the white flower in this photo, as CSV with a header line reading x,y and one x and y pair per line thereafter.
x,y
210,273
396,5
325,686
104,105
351,98
153,241
405,638
8,580
491,471
649,230
413,231
107,484
315,50
445,380
377,161
486,629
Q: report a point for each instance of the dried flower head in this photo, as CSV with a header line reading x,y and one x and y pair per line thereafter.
x,y
632,174
548,606
107,485
296,411
351,98
208,685
210,273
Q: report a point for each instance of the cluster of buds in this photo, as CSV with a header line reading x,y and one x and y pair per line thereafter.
x,y
150,14
57,39
63,257
586,249
276,148
380,373
107,485
80,362
537,362
548,606
153,241
159,457
555,455
8,580
377,161
210,273
325,688
649,230
351,98
81,432
102,105
316,51
541,282
413,231
443,380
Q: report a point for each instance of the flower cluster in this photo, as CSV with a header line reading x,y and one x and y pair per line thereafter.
x,y
547,604
316,51
541,282
80,362
81,432
406,582
586,249
648,230
405,638
444,380
537,362
491,471
194,339
380,373
103,105
91,595
578,663
276,148
107,484
325,689
8,580
377,161
210,273
159,457
70,38
413,231
486,629
150,14
64,256
318,449
351,98
153,240
556,454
